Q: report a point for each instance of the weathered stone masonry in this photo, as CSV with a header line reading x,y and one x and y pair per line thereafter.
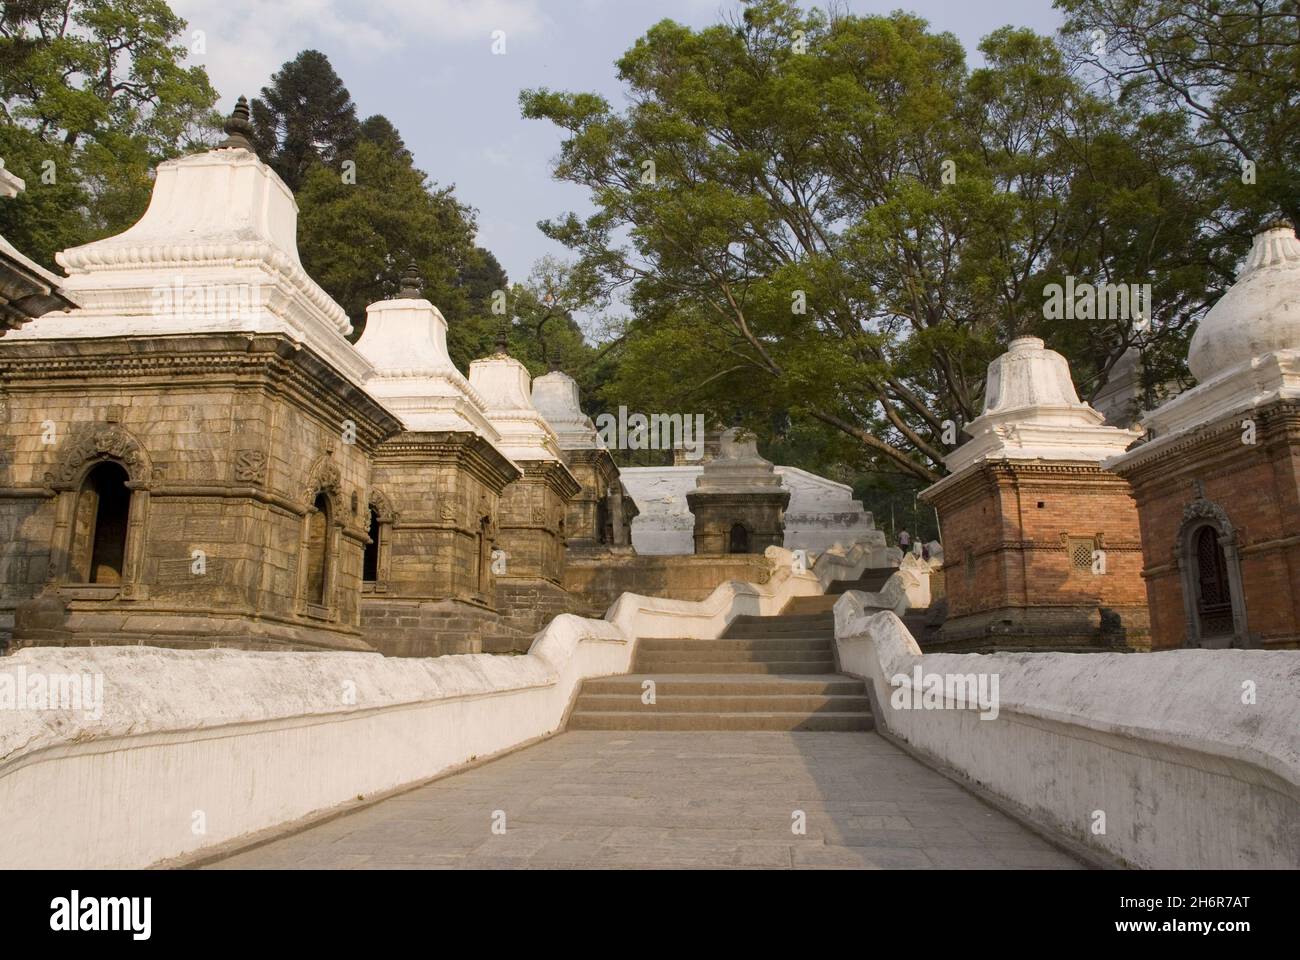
x,y
228,442
1247,494
1024,541
436,496
530,593
738,501
534,508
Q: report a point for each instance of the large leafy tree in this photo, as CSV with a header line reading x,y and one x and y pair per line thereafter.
x,y
93,95
306,116
834,220
484,286
357,238
1231,66
366,212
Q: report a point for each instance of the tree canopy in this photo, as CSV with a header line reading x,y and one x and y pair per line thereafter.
x,y
306,116
366,212
834,220
93,95
1232,67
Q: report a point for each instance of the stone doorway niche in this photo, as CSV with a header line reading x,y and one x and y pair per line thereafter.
x,y
377,557
738,539
101,523
101,509
1213,595
370,560
486,542
318,550
604,522
1213,599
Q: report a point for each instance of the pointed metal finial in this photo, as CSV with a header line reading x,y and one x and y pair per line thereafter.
x,y
555,362
503,337
238,128
412,284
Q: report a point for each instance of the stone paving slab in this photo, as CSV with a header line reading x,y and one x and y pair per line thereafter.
x,y
648,799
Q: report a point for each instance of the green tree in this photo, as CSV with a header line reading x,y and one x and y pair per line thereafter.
x,y
93,95
834,219
306,116
1231,66
545,327
356,239
366,212
481,279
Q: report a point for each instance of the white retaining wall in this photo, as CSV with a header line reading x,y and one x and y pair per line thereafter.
x,y
238,742
705,619
1186,774
197,748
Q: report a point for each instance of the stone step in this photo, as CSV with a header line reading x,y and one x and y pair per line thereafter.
x,y
580,720
870,581
762,655
813,619
665,645
674,703
704,685
652,665
778,632
819,604
780,627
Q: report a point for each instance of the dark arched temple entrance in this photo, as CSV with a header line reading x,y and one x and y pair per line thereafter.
x,y
103,516
318,549
738,541
370,560
1213,594
1213,599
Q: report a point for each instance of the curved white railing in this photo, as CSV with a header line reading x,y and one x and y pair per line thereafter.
x,y
1180,759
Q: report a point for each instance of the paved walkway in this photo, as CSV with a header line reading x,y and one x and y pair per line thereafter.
x,y
666,799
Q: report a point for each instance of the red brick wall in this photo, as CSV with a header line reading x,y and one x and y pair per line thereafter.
x,y
1020,559
1258,487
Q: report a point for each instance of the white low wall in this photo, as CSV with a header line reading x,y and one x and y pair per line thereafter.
x,y
907,589
197,748
1186,774
245,741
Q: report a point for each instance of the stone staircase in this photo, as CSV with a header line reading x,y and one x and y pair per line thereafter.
x,y
763,673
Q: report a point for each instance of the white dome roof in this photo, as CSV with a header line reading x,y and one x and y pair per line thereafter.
x,y
555,396
1033,412
505,386
1030,375
405,340
1259,313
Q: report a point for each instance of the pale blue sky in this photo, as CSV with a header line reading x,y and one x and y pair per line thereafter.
x,y
428,65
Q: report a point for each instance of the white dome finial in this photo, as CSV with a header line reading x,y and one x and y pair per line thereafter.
x,y
1033,412
505,386
1259,314
555,396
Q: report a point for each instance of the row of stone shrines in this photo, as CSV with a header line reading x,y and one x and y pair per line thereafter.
x,y
197,456
1060,532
